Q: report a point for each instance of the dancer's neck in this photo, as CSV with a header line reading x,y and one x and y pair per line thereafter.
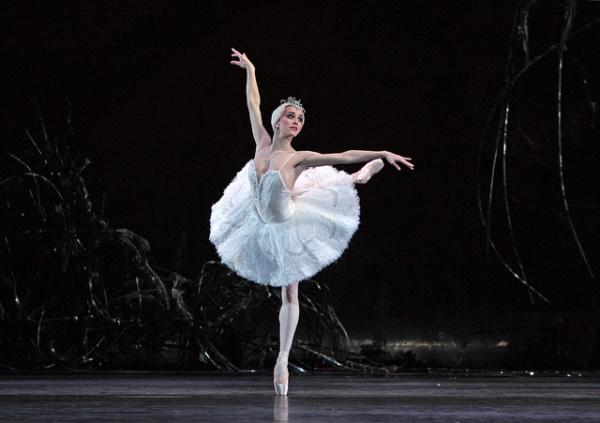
x,y
282,144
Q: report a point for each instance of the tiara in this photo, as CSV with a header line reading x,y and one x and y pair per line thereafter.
x,y
293,101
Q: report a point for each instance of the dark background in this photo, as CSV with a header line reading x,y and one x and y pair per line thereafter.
x,y
161,113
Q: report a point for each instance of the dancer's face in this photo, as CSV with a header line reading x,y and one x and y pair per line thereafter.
x,y
291,121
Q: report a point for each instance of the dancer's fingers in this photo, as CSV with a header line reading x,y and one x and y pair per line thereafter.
x,y
407,164
239,55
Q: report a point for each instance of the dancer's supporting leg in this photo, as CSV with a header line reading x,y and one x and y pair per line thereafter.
x,y
288,320
367,171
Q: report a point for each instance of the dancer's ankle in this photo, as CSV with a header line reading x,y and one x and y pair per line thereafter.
x,y
283,356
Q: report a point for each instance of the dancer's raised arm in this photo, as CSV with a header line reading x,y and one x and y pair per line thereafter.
x,y
260,134
311,158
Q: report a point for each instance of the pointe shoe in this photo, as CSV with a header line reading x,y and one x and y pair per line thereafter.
x,y
281,389
368,170
280,374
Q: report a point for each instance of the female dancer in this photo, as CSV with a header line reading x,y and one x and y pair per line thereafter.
x,y
287,214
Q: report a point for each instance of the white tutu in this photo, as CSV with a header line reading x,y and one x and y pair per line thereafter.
x,y
269,235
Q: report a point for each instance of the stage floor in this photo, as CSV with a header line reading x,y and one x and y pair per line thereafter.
x,y
202,397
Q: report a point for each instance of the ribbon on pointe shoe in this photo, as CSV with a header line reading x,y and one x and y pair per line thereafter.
x,y
281,374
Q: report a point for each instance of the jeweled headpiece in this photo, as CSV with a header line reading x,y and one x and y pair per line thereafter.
x,y
290,101
293,101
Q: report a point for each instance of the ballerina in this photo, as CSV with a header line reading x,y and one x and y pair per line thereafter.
x,y
287,214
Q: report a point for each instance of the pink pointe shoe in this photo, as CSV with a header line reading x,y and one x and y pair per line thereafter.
x,y
368,170
281,375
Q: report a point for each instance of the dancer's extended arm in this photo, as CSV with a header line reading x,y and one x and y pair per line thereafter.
x,y
311,158
260,134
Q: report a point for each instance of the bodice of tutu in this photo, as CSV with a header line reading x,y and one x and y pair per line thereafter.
x,y
272,199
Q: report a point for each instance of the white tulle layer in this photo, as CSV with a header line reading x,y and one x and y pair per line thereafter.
x,y
325,218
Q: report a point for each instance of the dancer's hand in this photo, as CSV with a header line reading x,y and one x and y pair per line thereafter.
x,y
394,159
242,60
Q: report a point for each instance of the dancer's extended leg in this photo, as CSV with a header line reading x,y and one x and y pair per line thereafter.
x,y
288,321
367,171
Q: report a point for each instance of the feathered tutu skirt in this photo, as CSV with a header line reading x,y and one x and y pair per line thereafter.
x,y
326,215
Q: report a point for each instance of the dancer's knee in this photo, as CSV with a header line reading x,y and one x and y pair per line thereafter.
x,y
289,294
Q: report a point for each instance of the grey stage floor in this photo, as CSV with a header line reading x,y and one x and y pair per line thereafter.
x,y
143,397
